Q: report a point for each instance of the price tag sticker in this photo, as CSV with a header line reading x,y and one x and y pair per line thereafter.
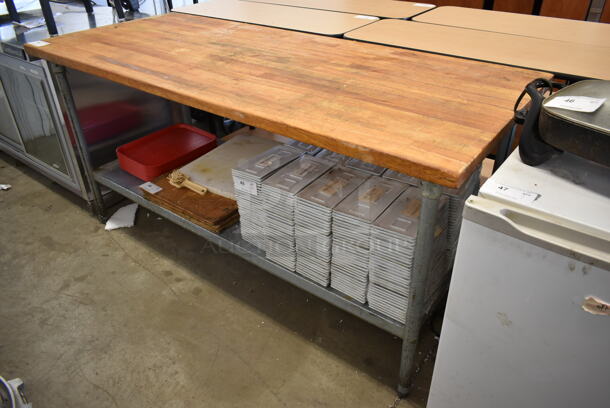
x,y
516,194
576,103
39,43
245,185
150,188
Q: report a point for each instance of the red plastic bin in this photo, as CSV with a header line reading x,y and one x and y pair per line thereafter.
x,y
164,150
105,121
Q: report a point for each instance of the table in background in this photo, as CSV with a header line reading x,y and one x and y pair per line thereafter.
x,y
272,15
550,28
558,57
377,8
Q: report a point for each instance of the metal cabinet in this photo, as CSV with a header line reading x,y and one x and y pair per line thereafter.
x,y
8,127
31,124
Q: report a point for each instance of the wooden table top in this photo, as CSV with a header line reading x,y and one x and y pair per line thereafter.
x,y
378,8
426,115
273,15
550,28
534,53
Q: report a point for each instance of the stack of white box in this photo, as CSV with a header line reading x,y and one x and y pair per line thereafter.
x,y
364,166
457,197
247,178
392,254
351,223
279,197
313,220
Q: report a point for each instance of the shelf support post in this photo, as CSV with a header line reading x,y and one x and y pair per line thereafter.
x,y
12,11
60,78
431,194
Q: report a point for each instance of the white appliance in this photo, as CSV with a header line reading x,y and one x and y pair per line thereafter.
x,y
527,322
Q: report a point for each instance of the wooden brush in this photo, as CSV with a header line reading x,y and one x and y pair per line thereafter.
x,y
178,179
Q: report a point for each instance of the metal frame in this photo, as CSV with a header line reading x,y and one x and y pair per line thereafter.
x,y
59,76
126,185
39,71
431,193
12,11
49,19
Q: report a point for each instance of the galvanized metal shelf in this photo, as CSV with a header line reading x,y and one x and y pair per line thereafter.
x,y
111,176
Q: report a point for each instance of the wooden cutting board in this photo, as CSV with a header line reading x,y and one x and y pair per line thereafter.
x,y
210,211
213,169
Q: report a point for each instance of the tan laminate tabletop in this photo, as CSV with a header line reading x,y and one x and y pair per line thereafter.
x,y
378,8
550,28
426,115
272,15
527,52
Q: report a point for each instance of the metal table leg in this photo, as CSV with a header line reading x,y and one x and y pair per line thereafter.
x,y
119,10
88,6
431,194
59,75
49,19
12,11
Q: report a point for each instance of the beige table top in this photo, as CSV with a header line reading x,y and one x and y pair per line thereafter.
x,y
272,15
533,53
550,28
378,8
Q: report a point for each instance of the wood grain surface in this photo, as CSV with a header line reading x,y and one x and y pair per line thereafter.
x,y
535,53
550,28
378,8
273,15
426,115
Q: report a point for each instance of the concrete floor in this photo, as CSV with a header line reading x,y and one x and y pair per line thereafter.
x,y
153,316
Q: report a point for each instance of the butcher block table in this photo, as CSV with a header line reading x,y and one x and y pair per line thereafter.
x,y
378,8
559,57
549,28
426,115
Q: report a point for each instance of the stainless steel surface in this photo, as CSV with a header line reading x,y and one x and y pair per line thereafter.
x,y
333,187
292,178
62,82
265,164
401,219
34,111
364,166
424,245
230,239
394,175
8,127
370,199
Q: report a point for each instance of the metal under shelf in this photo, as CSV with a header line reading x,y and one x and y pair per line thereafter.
x,y
111,176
